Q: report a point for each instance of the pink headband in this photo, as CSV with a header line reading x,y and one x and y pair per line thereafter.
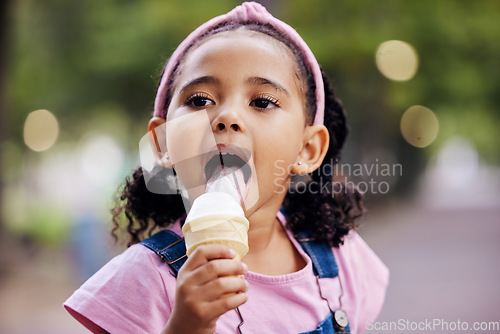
x,y
247,12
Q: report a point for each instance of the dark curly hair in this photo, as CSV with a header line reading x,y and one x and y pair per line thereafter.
x,y
328,209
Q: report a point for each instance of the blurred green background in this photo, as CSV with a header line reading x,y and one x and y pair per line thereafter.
x,y
94,66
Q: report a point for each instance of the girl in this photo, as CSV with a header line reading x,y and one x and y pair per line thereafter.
x,y
244,82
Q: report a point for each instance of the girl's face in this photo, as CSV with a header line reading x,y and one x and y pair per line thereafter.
x,y
238,92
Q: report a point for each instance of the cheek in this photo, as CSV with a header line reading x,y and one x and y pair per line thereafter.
x,y
188,135
189,138
288,139
279,150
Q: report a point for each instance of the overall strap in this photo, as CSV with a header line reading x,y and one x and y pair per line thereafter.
x,y
172,249
321,255
324,266
169,246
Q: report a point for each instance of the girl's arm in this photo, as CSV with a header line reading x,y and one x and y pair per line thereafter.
x,y
208,286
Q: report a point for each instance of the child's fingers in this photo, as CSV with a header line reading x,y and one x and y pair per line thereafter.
x,y
204,253
222,286
218,268
222,305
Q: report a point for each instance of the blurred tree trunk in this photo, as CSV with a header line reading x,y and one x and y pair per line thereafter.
x,y
3,114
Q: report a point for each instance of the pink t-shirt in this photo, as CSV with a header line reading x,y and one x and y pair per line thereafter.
x,y
135,291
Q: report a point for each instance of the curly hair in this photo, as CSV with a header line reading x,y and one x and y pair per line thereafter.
x,y
327,209
144,211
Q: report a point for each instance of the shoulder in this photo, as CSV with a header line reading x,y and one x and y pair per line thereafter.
x,y
113,298
365,277
136,263
355,252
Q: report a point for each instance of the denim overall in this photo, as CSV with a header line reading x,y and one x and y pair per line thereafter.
x,y
172,249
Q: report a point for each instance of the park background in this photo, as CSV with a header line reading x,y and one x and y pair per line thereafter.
x,y
77,84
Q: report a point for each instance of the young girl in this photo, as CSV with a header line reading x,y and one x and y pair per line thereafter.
x,y
251,82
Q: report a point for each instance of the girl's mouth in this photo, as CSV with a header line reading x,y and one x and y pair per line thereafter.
x,y
221,161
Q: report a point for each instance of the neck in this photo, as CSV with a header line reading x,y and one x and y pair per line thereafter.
x,y
270,250
261,237
264,227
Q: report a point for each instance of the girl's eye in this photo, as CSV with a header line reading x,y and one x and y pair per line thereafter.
x,y
265,102
199,100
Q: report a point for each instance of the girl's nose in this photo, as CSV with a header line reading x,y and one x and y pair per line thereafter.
x,y
222,126
227,120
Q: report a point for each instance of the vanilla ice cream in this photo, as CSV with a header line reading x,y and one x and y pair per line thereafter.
x,y
217,215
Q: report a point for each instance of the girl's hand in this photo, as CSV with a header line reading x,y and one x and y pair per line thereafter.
x,y
203,285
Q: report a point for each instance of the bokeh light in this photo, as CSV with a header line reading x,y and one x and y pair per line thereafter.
x,y
458,163
41,130
419,126
397,60
101,160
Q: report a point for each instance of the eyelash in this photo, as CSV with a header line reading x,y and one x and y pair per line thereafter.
x,y
190,100
269,98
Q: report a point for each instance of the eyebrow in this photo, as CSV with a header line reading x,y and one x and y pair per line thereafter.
x,y
200,80
266,82
252,80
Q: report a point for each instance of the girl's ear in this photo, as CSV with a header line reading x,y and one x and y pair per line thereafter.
x,y
158,141
314,148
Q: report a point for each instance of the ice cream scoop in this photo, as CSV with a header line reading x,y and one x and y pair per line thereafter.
x,y
217,215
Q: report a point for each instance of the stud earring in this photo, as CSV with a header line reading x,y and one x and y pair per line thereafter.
x,y
300,163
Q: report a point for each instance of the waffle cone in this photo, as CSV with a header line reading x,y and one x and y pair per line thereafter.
x,y
229,231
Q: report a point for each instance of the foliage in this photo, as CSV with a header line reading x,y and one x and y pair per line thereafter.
x,y
95,64
78,58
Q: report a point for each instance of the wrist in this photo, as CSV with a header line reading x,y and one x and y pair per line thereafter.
x,y
176,326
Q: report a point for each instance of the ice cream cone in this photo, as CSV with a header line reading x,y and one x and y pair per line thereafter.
x,y
216,218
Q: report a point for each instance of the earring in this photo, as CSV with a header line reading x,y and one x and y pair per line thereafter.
x,y
299,163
